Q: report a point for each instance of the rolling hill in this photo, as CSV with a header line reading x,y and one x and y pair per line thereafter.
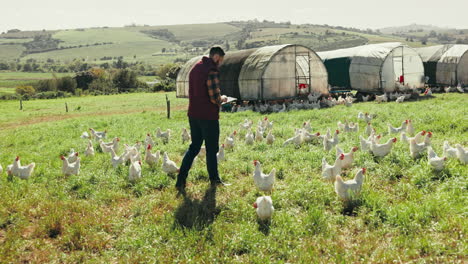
x,y
164,44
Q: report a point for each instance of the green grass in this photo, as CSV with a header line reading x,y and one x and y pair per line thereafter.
x,y
406,211
10,52
13,79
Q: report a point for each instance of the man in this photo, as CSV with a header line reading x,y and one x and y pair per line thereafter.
x,y
203,113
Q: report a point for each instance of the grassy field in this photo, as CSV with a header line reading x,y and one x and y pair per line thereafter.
x,y
9,80
405,213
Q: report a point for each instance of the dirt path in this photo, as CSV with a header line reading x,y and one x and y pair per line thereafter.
x,y
53,118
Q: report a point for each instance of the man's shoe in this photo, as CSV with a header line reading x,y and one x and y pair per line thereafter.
x,y
180,188
219,183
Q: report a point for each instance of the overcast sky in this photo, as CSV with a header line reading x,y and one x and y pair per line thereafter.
x,y
61,14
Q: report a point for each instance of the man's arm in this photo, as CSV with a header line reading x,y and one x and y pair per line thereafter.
x,y
214,91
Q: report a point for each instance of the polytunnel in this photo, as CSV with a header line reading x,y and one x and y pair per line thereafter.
x,y
374,68
267,73
445,64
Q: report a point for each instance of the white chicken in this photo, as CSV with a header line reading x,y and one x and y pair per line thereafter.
x,y
395,130
328,144
428,92
264,208
259,135
462,154
185,136
381,98
347,190
435,161
72,156
1,169
329,172
247,124
382,150
249,138
85,135
308,137
230,140
89,149
168,165
449,151
70,168
149,140
134,171
8,170
400,99
365,98
306,126
369,129
23,172
98,135
297,139
410,128
151,158
164,136
264,182
417,148
270,139
364,116
348,157
220,155
106,147
418,137
117,160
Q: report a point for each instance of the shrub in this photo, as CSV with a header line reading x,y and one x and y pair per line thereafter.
x,y
66,84
102,86
25,90
46,85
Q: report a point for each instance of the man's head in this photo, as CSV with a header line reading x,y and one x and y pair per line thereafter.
x,y
217,55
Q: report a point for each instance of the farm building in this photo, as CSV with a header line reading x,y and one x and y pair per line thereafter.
x,y
374,68
267,73
445,64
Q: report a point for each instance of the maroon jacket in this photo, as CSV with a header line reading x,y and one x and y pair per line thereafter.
x,y
200,106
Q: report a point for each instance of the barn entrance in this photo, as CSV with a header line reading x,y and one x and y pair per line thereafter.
x,y
302,73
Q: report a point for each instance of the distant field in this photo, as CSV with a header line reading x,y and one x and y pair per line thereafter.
x,y
13,79
10,52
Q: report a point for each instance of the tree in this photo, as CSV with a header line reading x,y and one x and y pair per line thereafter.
x,y
25,90
125,80
27,67
163,50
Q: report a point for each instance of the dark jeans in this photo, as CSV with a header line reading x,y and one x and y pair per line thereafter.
x,y
201,130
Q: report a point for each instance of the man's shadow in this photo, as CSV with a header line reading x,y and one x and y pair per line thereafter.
x,y
195,213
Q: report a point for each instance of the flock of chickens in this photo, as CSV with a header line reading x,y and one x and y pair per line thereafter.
x,y
419,143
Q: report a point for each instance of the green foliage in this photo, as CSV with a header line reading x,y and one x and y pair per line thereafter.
x,y
25,90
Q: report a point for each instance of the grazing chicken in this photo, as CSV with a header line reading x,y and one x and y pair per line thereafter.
x,y
1,169
270,139
70,168
353,127
348,157
410,128
365,98
395,130
117,160
264,182
460,88
259,135
132,153
220,155
400,99
85,135
264,208
327,135
72,156
230,140
106,147
308,137
449,151
365,144
164,136
313,97
297,139
149,140
328,144
381,98
428,92
417,148
247,124
382,150
427,138
329,172
98,135
134,171
249,138
369,129
168,165
435,161
347,190
365,117
23,172
462,154
8,170
306,126
185,136
418,137
89,149
151,158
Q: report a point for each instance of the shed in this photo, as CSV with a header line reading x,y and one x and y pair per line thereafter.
x,y
267,73
374,68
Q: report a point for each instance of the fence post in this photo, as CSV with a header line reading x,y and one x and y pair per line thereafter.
x,y
66,107
168,107
21,104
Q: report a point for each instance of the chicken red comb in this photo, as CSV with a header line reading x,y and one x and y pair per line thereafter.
x,y
62,157
149,146
139,162
76,154
255,162
235,132
118,139
148,134
394,140
355,149
342,156
255,205
364,170
266,118
318,134
337,131
424,132
17,158
222,145
406,121
429,134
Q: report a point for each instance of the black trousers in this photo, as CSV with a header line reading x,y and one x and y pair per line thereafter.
x,y
201,130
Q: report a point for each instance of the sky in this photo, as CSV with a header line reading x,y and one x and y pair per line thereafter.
x,y
66,14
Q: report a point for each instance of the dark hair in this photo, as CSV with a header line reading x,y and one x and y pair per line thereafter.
x,y
216,50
